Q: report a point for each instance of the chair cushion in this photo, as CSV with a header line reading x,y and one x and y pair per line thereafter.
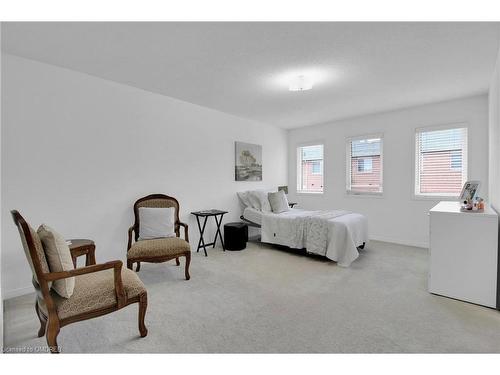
x,y
59,258
39,252
156,222
159,247
95,291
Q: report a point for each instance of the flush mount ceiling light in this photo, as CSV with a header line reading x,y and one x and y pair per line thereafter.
x,y
300,83
301,78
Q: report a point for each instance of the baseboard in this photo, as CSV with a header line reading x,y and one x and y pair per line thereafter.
x,y
7,294
400,241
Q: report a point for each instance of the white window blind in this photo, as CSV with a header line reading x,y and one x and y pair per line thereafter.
x,y
364,165
441,161
310,169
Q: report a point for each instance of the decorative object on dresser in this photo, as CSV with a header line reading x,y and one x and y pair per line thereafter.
x,y
99,289
464,254
470,190
165,247
248,162
470,201
218,215
476,205
235,236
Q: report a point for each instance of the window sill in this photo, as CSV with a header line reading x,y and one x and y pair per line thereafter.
x,y
309,192
351,194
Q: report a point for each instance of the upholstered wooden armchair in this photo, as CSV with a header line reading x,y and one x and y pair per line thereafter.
x,y
158,250
99,289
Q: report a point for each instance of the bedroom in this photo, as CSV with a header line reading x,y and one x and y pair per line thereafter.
x,y
340,117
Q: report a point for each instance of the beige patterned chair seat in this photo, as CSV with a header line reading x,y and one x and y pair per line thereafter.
x,y
95,291
160,247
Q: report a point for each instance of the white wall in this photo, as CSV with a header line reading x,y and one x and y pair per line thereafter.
x,y
77,151
397,216
494,137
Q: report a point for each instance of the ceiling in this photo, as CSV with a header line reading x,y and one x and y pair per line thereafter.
x,y
243,68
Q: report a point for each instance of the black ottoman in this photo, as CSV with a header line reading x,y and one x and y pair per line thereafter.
x,y
235,236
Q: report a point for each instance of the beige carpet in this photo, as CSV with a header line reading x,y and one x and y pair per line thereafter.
x,y
266,300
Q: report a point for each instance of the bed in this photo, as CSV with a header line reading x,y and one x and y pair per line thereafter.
x,y
335,234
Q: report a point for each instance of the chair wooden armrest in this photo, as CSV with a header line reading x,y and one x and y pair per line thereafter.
x,y
130,232
115,264
186,231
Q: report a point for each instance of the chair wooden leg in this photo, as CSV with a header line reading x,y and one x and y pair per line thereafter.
x,y
143,305
177,262
130,265
138,267
188,261
51,335
43,320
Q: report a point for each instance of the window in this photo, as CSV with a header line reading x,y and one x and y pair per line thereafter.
x,y
456,160
364,165
440,161
310,169
317,167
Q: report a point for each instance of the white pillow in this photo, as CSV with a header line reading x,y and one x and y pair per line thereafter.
x,y
253,199
243,196
258,200
156,222
58,258
278,201
265,206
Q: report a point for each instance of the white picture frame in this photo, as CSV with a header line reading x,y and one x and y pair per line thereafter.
x,y
469,190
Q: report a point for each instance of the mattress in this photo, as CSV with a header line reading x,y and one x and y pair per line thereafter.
x,y
255,216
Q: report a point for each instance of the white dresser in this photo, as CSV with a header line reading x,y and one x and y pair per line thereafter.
x,y
464,254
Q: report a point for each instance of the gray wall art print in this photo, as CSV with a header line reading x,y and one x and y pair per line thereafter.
x,y
248,162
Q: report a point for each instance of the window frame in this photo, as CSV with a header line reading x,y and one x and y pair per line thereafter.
x,y
348,144
465,173
298,166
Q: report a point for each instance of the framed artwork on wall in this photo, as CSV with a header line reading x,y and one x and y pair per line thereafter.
x,y
247,162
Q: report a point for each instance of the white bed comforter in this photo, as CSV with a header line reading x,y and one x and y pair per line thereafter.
x,y
334,234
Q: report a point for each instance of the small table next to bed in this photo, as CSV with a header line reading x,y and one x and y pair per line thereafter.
x,y
79,247
206,214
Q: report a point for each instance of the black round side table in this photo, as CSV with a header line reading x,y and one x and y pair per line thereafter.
x,y
235,236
